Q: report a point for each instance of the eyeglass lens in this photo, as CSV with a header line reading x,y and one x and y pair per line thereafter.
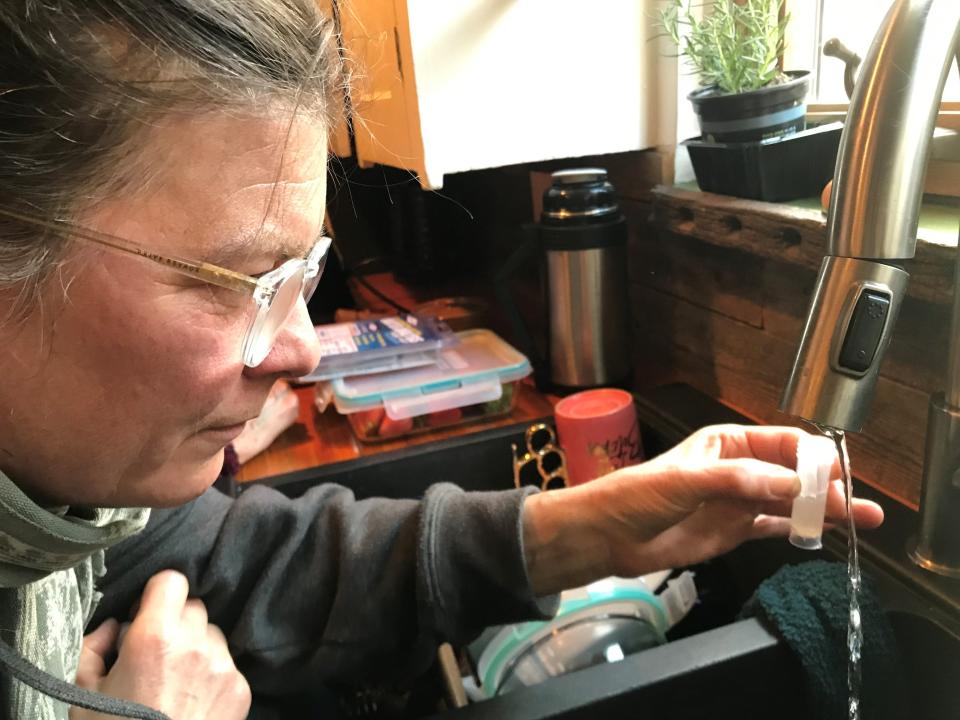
x,y
281,305
282,302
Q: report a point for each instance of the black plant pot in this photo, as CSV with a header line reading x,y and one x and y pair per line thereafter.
x,y
771,111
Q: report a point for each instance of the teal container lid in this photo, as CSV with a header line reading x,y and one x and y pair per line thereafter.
x,y
621,597
472,371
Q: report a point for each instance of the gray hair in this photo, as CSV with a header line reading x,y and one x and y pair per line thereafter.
x,y
78,78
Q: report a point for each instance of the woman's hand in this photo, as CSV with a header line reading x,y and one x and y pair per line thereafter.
x,y
721,486
279,412
170,658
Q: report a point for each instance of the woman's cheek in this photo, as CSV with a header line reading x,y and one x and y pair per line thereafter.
x,y
214,338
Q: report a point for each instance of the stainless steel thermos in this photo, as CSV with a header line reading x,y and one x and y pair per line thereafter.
x,y
581,240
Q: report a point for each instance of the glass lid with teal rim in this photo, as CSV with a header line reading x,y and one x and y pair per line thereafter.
x,y
602,622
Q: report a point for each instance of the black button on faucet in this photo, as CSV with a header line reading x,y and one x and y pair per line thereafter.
x,y
864,331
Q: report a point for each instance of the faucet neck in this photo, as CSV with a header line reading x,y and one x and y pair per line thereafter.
x,y
881,163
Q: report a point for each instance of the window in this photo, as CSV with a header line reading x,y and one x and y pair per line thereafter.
x,y
852,22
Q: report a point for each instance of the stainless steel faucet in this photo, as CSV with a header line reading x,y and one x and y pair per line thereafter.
x,y
872,223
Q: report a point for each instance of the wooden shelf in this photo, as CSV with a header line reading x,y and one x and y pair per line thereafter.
x,y
322,439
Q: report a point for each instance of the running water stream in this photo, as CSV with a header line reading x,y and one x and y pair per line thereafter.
x,y
854,627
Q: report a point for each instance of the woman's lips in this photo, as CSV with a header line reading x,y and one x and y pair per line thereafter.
x,y
223,433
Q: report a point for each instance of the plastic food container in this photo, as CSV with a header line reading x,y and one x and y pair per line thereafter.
x,y
476,379
364,347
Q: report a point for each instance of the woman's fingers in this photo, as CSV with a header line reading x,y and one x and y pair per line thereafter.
x,y
764,442
768,443
866,513
744,479
770,526
775,519
172,658
163,599
121,636
97,646
194,616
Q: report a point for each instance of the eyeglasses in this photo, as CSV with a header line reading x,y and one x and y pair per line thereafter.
x,y
275,293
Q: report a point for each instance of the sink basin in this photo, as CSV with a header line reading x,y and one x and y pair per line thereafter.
x,y
727,672
932,662
715,666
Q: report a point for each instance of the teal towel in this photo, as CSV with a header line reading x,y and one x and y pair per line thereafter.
x,y
807,606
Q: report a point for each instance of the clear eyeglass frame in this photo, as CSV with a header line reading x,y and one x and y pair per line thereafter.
x,y
275,293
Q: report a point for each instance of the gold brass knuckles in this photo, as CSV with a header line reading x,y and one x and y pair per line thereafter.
x,y
543,451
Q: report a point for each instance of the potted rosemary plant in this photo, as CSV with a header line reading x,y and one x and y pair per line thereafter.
x,y
735,50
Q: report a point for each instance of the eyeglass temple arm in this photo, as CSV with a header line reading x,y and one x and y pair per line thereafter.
x,y
200,270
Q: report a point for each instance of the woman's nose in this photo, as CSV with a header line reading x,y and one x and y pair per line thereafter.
x,y
295,352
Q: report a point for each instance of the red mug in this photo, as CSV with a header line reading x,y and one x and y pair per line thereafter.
x,y
599,432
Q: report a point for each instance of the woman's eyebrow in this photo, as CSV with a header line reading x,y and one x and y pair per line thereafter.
x,y
263,243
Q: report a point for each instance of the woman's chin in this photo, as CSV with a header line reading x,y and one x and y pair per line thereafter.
x,y
178,483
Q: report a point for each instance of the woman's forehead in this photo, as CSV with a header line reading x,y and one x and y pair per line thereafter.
x,y
227,186
222,158
271,135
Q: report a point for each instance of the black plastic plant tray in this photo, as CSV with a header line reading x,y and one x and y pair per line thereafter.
x,y
775,169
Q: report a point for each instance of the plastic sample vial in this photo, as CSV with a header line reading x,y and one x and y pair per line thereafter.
x,y
815,459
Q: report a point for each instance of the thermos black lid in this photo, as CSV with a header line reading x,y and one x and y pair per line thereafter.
x,y
579,196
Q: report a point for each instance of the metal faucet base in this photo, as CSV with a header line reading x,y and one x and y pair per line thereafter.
x,y
937,545
928,564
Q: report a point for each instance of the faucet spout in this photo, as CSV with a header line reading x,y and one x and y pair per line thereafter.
x,y
872,223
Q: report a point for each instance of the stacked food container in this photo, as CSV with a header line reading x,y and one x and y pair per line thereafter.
x,y
409,374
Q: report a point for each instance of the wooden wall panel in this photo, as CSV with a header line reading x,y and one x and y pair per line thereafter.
x,y
719,297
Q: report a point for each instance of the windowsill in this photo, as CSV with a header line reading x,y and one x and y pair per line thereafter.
x,y
939,221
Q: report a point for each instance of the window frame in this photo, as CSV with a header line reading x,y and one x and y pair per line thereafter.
x,y
949,116
942,177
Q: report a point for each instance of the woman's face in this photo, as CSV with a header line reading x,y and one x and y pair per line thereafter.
x,y
126,382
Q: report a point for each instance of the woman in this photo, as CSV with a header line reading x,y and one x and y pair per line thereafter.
x,y
162,182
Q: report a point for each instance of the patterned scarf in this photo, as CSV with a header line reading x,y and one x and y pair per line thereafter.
x,y
49,564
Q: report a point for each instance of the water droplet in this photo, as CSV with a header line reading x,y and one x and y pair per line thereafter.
x,y
855,617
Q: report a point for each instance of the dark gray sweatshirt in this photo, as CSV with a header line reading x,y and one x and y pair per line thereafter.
x,y
325,588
